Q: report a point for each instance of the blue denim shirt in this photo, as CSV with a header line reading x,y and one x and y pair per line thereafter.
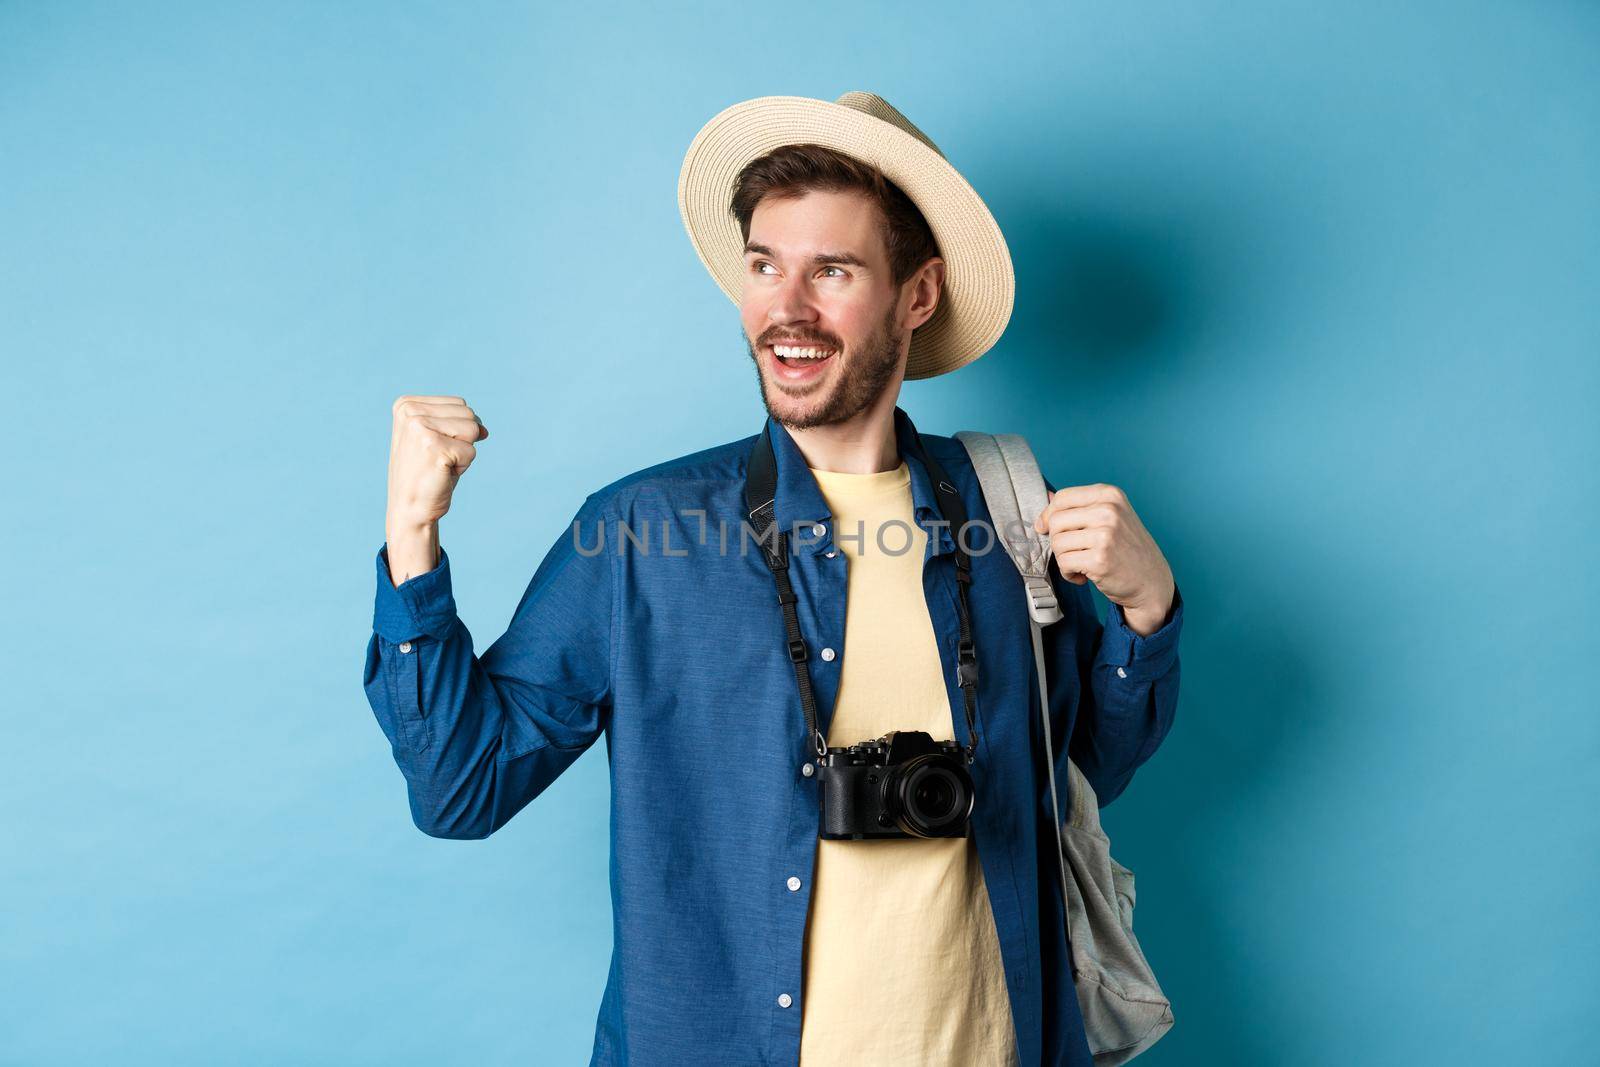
x,y
669,641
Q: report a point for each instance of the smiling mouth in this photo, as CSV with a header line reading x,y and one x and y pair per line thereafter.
x,y
801,357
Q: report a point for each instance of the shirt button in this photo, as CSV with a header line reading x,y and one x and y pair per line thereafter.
x,y
819,530
784,1000
405,646
793,883
1121,673
828,654
830,553
808,770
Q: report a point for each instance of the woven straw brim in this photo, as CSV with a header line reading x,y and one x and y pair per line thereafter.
x,y
979,285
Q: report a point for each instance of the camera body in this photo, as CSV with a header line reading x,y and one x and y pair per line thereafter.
x,y
903,784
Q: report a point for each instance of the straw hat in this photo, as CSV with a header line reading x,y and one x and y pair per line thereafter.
x,y
978,285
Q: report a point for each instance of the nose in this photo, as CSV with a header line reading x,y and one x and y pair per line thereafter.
x,y
792,304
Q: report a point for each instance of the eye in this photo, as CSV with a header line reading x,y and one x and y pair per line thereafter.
x,y
839,269
758,264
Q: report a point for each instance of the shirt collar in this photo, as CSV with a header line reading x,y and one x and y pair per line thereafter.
x,y
799,500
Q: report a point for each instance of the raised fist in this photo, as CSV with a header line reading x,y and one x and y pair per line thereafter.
x,y
429,449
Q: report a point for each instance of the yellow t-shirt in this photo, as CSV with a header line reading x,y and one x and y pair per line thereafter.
x,y
901,960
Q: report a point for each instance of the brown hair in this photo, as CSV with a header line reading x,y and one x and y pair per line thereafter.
x,y
791,171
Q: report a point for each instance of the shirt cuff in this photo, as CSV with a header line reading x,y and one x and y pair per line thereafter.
x,y
422,605
1142,657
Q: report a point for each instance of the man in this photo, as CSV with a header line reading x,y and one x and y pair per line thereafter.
x,y
858,258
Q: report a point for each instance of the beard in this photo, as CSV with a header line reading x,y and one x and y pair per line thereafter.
x,y
867,373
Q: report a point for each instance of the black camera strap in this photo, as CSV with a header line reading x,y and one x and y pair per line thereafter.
x,y
760,493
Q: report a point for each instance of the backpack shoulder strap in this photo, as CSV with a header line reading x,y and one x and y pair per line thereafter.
x,y
1014,489
1015,492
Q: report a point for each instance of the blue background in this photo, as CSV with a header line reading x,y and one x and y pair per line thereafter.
x,y
1315,283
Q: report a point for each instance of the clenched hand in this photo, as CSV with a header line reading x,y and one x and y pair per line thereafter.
x,y
430,447
1096,536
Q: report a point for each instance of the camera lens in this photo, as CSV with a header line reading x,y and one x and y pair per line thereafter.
x,y
934,797
930,795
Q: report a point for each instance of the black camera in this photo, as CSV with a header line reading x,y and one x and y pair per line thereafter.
x,y
904,784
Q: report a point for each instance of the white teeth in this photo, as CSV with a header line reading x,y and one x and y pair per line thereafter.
x,y
790,352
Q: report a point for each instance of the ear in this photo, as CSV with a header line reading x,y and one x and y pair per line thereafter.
x,y
924,286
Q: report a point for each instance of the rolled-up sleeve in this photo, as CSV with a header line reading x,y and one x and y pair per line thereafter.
x,y
478,738
421,606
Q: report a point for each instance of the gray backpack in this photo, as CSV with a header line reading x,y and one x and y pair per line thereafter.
x,y
1124,1010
